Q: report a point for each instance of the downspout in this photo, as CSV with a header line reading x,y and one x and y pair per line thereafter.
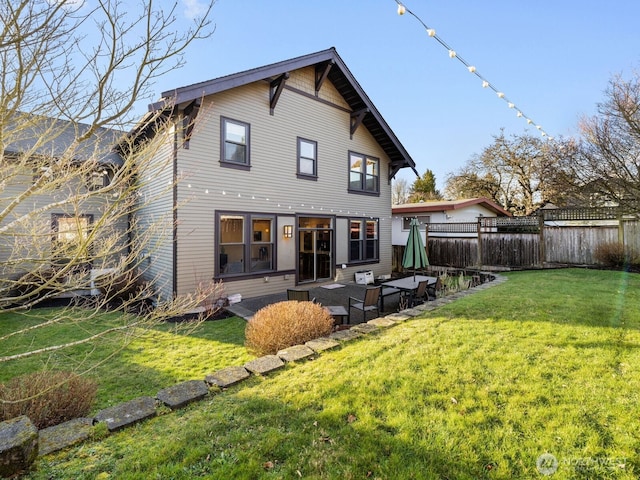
x,y
175,213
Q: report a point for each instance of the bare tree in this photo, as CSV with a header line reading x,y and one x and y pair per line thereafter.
x,y
515,172
70,174
399,191
605,165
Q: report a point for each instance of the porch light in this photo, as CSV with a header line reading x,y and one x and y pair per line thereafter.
x,y
288,231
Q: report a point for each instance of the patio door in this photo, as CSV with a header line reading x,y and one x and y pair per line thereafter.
x,y
315,249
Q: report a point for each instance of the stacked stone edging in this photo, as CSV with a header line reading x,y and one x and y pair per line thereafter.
x,y
128,413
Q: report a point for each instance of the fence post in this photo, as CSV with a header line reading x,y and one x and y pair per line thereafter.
x,y
541,248
620,229
426,240
479,242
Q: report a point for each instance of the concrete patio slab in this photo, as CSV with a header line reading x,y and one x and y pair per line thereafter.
x,y
227,376
381,322
321,344
264,365
127,413
296,353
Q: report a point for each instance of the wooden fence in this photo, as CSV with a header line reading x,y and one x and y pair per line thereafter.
x,y
560,236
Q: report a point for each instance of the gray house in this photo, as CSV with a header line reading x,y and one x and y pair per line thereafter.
x,y
53,190
281,177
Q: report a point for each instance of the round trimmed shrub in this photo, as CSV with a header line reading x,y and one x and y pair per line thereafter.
x,y
284,324
47,398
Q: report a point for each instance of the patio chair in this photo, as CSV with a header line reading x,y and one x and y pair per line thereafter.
x,y
385,292
368,304
433,290
418,295
299,295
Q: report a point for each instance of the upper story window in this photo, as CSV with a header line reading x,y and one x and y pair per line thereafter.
x,y
307,158
235,142
97,180
364,173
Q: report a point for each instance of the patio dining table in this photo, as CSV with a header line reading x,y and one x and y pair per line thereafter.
x,y
407,285
410,284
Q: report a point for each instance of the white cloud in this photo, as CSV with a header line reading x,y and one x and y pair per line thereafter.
x,y
194,8
72,4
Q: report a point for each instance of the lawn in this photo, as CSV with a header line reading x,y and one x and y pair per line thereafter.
x,y
125,365
540,373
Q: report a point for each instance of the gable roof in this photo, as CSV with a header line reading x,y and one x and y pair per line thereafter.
x,y
338,74
52,137
446,205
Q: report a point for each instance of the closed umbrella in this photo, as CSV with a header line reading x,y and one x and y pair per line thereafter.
x,y
415,255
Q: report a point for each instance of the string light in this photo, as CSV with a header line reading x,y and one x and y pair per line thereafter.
x,y
402,9
280,205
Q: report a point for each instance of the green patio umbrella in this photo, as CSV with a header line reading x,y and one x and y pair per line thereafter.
x,y
415,255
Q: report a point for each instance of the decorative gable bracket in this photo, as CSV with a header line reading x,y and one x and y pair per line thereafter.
x,y
277,86
357,118
322,72
188,121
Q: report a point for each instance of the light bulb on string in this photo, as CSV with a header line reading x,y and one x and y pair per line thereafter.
x,y
453,54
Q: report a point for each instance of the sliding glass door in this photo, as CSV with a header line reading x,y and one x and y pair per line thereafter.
x,y
315,249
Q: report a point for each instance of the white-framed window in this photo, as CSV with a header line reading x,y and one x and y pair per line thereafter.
x,y
70,233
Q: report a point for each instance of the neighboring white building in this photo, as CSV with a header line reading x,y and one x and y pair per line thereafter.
x,y
442,212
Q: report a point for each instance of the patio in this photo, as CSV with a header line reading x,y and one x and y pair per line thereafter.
x,y
331,294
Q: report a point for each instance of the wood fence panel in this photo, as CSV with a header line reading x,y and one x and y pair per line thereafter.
x,y
511,249
563,244
453,252
632,235
576,245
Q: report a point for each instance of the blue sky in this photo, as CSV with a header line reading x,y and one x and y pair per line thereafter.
x,y
552,58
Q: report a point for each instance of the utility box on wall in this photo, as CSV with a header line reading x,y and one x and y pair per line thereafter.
x,y
364,277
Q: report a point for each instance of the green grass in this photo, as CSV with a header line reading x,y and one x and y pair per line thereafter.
x,y
126,366
548,362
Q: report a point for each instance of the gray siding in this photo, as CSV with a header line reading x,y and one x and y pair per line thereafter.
x,y
154,218
31,238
